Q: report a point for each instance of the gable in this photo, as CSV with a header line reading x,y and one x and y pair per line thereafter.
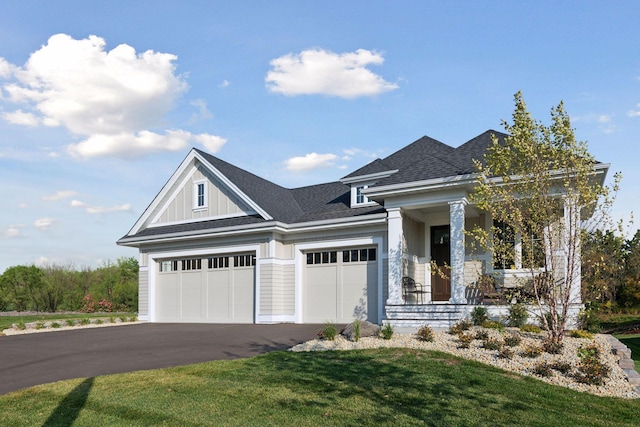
x,y
182,206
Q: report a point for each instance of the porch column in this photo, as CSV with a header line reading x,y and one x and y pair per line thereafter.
x,y
456,239
395,240
572,248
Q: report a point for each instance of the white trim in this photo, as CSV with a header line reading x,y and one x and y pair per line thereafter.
x,y
196,207
153,271
369,177
299,248
202,219
276,261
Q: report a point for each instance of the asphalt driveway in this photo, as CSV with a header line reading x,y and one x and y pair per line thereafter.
x,y
32,359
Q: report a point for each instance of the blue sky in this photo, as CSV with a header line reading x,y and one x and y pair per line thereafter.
x,y
101,101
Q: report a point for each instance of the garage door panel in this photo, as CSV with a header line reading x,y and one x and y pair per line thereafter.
x,y
243,302
320,294
191,295
168,295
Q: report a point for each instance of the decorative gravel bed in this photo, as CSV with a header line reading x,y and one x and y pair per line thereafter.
x,y
30,328
615,385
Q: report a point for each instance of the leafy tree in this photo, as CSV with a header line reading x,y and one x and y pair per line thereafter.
x,y
535,184
603,267
630,289
21,286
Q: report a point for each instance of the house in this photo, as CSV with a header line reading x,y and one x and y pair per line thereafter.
x,y
219,244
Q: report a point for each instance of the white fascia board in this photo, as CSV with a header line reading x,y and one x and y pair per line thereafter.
x,y
272,226
420,186
234,188
370,177
202,219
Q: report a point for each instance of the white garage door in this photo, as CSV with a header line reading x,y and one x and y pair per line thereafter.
x,y
340,286
217,289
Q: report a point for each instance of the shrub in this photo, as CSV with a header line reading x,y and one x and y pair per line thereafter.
x,y
481,334
542,369
531,352
329,332
99,322
552,347
491,344
591,369
479,315
512,340
356,330
387,331
505,353
133,319
85,321
548,316
112,319
530,328
460,326
55,325
518,315
562,367
123,319
493,324
464,340
70,322
425,333
580,333
21,325
589,321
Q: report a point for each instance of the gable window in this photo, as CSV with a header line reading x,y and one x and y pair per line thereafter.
x,y
199,195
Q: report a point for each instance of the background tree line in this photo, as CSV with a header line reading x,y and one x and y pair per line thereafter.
x,y
51,288
610,271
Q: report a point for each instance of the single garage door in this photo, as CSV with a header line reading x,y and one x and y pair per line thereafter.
x,y
216,289
340,286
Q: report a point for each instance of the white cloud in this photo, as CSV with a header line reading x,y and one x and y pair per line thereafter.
x,y
317,71
13,231
203,112
99,209
634,113
310,161
604,118
19,117
60,195
44,223
225,83
211,143
111,98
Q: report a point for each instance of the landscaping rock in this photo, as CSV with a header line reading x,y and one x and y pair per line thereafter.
x,y
367,329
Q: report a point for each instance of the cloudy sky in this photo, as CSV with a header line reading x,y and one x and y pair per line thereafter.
x,y
101,101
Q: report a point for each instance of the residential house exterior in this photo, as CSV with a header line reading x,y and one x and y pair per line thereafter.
x,y
219,244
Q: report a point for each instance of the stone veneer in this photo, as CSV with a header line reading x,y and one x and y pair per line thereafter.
x,y
625,361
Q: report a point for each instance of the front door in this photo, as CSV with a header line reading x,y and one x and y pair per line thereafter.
x,y
441,256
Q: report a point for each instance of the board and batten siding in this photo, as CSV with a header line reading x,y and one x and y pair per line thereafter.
x,y
220,201
143,292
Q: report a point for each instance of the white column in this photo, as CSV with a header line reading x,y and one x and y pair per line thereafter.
x,y
572,249
456,240
395,241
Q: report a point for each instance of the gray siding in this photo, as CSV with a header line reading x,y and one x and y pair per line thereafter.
x,y
277,289
143,292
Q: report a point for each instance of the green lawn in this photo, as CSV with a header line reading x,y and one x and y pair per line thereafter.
x,y
399,387
8,321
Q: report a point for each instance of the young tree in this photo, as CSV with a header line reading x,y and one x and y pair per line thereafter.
x,y
536,183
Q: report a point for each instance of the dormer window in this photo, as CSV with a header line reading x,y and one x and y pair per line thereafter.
x,y
200,195
360,197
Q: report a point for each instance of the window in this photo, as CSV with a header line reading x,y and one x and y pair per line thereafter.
x,y
168,266
244,260
325,257
356,255
199,195
361,198
218,262
191,264
514,250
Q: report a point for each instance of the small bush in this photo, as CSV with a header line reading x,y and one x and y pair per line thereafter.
x,y
531,352
493,324
356,330
55,325
99,322
387,331
552,347
580,333
39,325
464,340
548,316
70,322
481,334
133,319
460,326
512,340
112,319
123,319
329,332
530,328
542,369
85,321
505,353
591,369
425,333
491,344
562,367
588,320
518,315
21,326
479,315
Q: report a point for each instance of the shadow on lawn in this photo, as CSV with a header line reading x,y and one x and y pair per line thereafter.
x,y
68,410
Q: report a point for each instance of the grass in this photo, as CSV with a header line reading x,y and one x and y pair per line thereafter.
x,y
633,342
399,387
613,322
8,321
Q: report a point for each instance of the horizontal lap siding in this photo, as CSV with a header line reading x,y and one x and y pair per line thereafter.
x,y
277,289
143,292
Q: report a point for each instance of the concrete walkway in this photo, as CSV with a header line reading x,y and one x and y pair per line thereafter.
x,y
33,359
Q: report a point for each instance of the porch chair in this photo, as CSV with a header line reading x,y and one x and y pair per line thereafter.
x,y
412,291
489,289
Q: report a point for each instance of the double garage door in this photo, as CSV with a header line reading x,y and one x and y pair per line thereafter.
x,y
216,289
340,285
